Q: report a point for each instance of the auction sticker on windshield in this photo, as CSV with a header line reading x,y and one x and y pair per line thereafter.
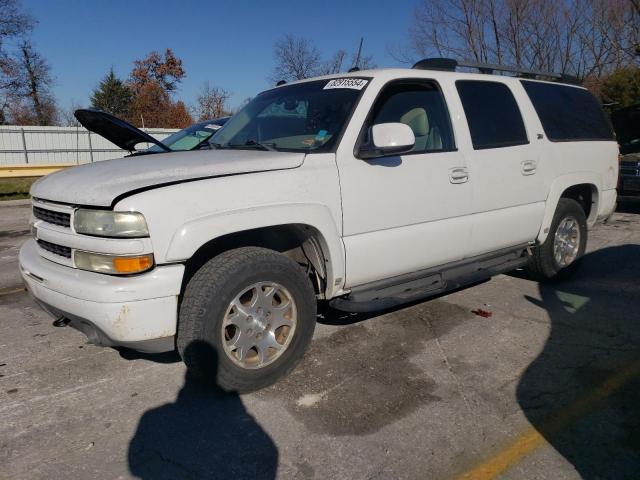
x,y
354,83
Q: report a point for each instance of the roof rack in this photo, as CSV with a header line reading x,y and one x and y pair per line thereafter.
x,y
450,65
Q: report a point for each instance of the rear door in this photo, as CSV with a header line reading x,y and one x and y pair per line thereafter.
x,y
505,167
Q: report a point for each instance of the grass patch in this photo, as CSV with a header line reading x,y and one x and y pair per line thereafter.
x,y
15,188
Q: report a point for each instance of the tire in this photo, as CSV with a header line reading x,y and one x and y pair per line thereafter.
x,y
543,264
212,299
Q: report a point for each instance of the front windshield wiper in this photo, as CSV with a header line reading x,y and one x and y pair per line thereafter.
x,y
270,146
145,152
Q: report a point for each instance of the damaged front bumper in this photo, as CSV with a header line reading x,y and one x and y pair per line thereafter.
x,y
138,312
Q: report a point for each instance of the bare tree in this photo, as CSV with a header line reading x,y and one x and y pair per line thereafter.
x,y
35,102
582,37
241,105
296,58
211,103
14,23
450,28
67,117
365,62
334,64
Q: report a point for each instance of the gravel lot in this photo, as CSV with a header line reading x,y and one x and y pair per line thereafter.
x,y
547,387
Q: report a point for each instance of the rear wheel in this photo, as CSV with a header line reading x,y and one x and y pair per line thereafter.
x,y
566,242
246,318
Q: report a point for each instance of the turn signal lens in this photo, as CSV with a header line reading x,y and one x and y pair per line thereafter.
x,y
133,264
112,264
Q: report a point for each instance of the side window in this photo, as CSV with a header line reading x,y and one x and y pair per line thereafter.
x,y
492,114
568,113
422,107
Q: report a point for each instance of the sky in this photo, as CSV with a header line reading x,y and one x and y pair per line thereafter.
x,y
228,43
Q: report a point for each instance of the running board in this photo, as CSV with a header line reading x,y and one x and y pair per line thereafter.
x,y
414,286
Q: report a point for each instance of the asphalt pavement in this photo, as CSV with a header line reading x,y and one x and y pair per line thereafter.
x,y
547,387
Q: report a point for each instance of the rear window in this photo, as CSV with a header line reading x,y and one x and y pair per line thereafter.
x,y
568,113
492,114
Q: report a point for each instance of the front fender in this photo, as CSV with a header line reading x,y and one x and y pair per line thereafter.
x,y
192,235
558,187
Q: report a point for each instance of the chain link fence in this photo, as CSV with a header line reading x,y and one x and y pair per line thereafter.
x,y
59,145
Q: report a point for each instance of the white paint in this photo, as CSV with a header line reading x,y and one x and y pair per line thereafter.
x,y
374,218
99,183
387,135
135,308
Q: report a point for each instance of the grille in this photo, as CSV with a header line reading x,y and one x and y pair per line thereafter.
x,y
55,249
49,216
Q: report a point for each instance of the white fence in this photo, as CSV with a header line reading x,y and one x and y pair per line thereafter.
x,y
44,145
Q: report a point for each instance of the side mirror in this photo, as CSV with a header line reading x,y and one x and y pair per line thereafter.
x,y
388,139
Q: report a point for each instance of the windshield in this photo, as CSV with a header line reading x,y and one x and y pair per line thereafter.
x,y
190,137
303,117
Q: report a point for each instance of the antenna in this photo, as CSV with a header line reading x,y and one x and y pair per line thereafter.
x,y
357,62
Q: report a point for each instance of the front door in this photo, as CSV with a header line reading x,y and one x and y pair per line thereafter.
x,y
405,212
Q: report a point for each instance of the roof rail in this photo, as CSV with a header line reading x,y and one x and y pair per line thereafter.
x,y
450,65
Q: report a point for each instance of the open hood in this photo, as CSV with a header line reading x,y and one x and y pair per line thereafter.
x,y
117,131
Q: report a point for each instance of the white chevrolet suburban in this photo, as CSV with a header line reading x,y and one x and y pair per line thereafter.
x,y
366,190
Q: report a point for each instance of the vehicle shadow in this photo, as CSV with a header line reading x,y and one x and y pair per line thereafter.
x,y
164,357
205,434
582,393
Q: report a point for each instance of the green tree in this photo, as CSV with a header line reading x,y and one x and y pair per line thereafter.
x,y
112,96
622,87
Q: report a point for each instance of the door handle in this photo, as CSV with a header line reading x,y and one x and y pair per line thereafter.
x,y
459,175
529,167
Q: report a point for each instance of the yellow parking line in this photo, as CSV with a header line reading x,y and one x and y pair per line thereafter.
x,y
558,421
11,291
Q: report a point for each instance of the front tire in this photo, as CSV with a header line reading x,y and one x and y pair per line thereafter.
x,y
246,319
559,256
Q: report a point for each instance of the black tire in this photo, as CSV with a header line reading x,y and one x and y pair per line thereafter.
x,y
543,265
206,299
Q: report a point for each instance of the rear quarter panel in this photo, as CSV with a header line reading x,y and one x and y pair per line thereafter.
x,y
574,163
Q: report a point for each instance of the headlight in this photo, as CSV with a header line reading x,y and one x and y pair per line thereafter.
x,y
105,223
112,264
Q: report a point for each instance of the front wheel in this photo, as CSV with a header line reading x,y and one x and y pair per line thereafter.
x,y
566,243
246,318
